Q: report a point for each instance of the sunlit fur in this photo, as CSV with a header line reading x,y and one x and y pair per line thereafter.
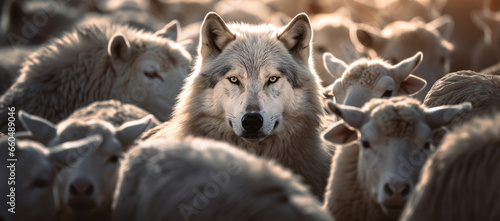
x,y
294,100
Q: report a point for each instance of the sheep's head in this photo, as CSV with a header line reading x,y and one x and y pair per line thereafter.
x,y
401,39
395,140
87,186
149,69
36,172
366,79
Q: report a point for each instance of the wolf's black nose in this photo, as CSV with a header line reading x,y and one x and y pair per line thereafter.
x,y
252,122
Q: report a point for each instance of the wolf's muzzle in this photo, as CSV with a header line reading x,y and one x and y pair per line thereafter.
x,y
252,122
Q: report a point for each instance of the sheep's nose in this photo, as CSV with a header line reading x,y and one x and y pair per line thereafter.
x,y
81,188
252,122
392,189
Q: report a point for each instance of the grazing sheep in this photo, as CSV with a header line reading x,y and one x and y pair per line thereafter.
x,y
86,188
365,79
200,179
482,90
401,39
325,26
34,173
230,96
100,62
372,178
487,50
460,180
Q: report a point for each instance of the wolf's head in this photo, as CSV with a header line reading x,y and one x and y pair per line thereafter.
x,y
256,79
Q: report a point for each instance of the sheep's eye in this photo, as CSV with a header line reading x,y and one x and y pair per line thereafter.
x,y
273,79
233,80
39,183
387,93
365,144
114,159
152,74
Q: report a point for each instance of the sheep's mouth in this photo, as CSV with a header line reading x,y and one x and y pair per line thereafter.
x,y
82,206
393,210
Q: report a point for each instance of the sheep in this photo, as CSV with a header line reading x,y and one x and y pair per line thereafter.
x,y
372,177
35,170
100,62
400,39
460,180
325,26
487,50
86,188
482,90
365,79
202,179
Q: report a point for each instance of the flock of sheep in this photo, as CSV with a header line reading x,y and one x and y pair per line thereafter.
x,y
108,101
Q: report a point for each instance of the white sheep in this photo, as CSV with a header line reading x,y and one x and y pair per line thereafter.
x,y
100,62
86,188
34,172
201,179
460,180
482,90
401,39
372,178
365,79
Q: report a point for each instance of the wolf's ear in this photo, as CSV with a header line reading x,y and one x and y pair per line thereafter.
x,y
119,48
215,35
333,65
297,37
365,36
42,129
172,30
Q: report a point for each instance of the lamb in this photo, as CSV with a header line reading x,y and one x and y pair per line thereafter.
x,y
201,179
35,171
487,50
365,79
460,180
482,90
372,178
100,62
401,39
86,188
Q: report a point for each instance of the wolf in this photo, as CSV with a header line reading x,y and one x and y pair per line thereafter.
x,y
255,87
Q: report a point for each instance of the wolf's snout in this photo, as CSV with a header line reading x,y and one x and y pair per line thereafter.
x,y
252,122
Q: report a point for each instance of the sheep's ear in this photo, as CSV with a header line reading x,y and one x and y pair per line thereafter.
x,y
67,153
439,116
129,131
333,65
411,85
215,35
485,22
365,36
297,36
119,48
350,52
353,116
404,68
340,133
444,25
42,129
172,30
365,12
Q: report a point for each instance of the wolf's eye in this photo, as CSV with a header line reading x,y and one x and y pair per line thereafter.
x,y
387,93
233,80
273,79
